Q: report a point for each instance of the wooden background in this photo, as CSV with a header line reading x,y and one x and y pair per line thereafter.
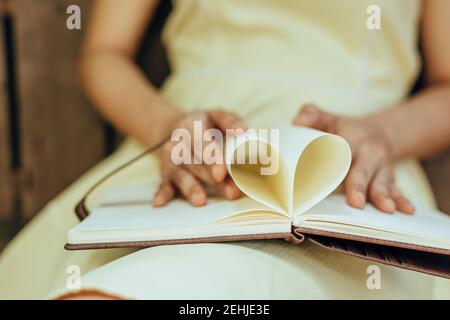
x,y
49,135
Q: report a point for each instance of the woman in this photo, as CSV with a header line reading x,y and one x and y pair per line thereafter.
x,y
257,60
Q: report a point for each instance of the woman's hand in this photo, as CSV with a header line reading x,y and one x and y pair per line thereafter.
x,y
190,180
371,176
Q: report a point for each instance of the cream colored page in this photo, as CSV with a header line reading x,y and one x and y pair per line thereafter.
x,y
311,165
130,208
269,190
426,224
316,163
321,167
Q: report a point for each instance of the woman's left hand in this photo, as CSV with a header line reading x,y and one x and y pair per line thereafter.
x,y
371,176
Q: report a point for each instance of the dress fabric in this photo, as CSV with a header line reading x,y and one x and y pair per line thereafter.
x,y
261,59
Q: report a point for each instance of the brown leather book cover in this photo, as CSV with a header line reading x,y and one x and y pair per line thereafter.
x,y
407,256
146,244
403,255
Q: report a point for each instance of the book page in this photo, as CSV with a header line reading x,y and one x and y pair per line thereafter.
x,y
318,163
311,165
426,227
122,203
126,215
245,168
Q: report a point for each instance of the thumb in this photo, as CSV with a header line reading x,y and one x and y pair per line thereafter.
x,y
312,117
226,120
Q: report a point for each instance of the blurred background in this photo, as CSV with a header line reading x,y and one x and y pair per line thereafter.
x,y
49,134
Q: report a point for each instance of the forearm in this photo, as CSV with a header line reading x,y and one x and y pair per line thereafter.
x,y
121,92
420,127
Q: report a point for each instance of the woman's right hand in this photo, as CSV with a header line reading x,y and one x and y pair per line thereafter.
x,y
190,180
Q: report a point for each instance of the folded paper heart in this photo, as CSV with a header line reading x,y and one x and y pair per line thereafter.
x,y
309,169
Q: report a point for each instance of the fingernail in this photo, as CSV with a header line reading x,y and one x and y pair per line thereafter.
x,y
230,192
361,198
307,108
158,201
307,119
198,199
389,205
410,208
305,116
218,173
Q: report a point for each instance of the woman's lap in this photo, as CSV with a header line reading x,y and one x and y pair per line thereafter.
x,y
248,270
35,263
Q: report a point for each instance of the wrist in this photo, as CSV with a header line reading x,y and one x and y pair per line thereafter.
x,y
175,120
380,129
162,118
169,116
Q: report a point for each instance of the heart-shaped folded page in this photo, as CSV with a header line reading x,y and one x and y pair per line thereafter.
x,y
290,172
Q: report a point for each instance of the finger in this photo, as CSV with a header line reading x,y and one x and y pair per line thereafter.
x,y
164,195
213,155
358,179
228,189
227,120
211,138
401,202
219,172
189,187
312,117
202,172
379,191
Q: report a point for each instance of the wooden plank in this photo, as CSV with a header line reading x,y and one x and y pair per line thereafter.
x,y
438,171
6,179
61,135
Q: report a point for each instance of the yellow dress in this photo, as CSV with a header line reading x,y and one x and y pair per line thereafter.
x,y
261,59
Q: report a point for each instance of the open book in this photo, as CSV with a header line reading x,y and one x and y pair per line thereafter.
x,y
294,203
